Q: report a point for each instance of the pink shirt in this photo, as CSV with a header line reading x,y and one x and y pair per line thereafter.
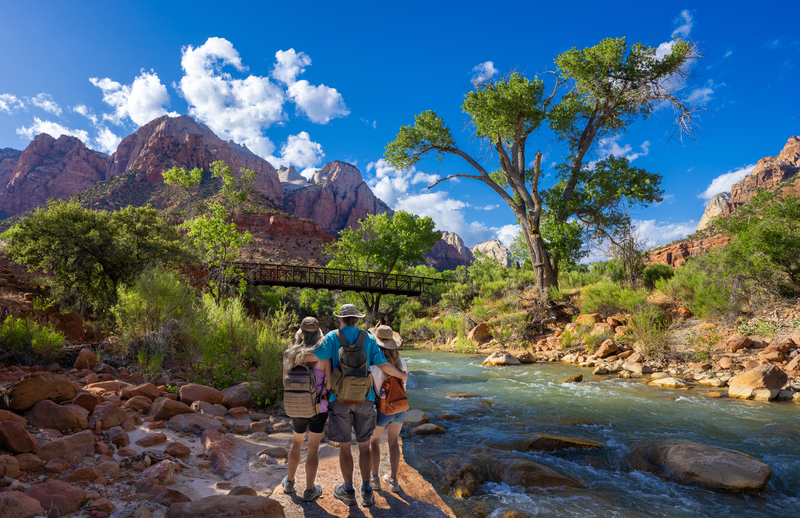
x,y
321,390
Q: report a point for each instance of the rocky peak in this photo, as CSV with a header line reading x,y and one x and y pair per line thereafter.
x,y
8,159
495,250
337,198
769,172
449,253
167,142
717,205
51,168
290,179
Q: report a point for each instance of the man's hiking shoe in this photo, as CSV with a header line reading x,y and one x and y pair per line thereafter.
x,y
348,497
367,497
375,482
288,485
312,495
394,485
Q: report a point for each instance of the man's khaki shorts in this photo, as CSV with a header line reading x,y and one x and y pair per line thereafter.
x,y
344,419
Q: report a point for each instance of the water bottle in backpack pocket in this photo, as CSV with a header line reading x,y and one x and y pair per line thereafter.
x,y
300,397
351,380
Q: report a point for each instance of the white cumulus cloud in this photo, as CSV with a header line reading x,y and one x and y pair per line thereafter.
x,y
723,182
10,103
390,185
319,103
507,233
483,72
87,112
685,28
141,101
656,233
53,129
611,146
106,140
300,151
46,102
289,64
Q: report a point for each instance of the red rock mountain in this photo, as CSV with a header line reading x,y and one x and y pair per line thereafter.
x,y
51,168
8,159
167,142
449,253
495,250
337,198
768,173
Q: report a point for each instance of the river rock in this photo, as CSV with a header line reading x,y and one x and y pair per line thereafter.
x,y
607,348
195,423
224,506
239,395
463,477
735,341
152,439
16,438
208,408
25,392
638,368
164,471
108,414
547,443
588,319
137,403
14,504
86,359
5,415
72,448
9,466
480,333
427,429
501,358
765,381
147,491
712,382
707,466
58,497
228,457
192,392
526,357
673,383
575,378
29,462
177,449
526,473
147,390
725,363
165,408
416,418
600,370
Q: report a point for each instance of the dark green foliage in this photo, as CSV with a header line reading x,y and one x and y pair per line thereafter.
x,y
26,342
655,272
92,253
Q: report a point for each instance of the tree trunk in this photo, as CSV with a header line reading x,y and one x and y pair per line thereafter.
x,y
540,261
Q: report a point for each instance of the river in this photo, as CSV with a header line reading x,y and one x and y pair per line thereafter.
x,y
513,401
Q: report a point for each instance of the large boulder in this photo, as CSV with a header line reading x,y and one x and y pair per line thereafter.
x,y
607,348
547,443
108,414
58,497
194,423
735,341
164,408
526,473
416,418
501,358
25,392
239,395
480,333
86,359
46,414
228,457
164,471
674,383
463,475
9,466
707,466
192,392
14,504
148,491
72,448
16,438
763,382
147,390
208,408
137,403
224,506
5,415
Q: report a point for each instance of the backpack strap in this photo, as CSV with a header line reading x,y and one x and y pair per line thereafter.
x,y
362,337
342,338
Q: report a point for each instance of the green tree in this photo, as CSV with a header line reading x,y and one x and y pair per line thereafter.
x,y
216,235
91,253
385,244
608,86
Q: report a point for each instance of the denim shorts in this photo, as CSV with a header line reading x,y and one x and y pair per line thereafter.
x,y
383,419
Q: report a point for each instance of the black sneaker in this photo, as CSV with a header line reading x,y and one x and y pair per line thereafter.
x,y
367,497
348,497
312,495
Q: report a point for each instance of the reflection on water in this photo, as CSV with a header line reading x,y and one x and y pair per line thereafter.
x,y
514,401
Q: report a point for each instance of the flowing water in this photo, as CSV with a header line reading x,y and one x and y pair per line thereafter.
x,y
514,401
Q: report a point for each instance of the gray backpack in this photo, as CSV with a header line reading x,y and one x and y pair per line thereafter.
x,y
351,380
300,397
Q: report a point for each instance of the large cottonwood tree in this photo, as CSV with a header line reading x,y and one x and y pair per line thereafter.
x,y
597,93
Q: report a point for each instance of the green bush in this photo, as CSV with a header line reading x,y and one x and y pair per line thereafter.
x,y
703,296
648,329
608,297
458,296
557,293
655,272
317,302
268,354
26,338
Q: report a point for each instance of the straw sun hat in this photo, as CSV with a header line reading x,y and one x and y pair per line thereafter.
x,y
349,310
386,338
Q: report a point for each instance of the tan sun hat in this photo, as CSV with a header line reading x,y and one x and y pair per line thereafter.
x,y
309,324
386,338
349,310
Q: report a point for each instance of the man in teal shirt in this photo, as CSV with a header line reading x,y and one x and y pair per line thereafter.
x,y
342,418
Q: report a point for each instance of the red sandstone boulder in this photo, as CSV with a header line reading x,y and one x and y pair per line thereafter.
x,y
177,449
108,414
147,390
72,448
228,457
480,333
87,401
736,341
46,414
208,408
607,348
151,439
763,382
14,504
195,423
16,438
165,472
5,415
30,389
84,473
9,466
29,462
146,490
239,395
192,392
137,403
60,497
86,359
164,408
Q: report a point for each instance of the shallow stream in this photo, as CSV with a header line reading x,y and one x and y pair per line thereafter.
x,y
514,401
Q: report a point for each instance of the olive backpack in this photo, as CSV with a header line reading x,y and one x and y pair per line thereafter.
x,y
300,397
351,380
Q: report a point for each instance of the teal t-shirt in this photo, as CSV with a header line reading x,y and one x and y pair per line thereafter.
x,y
329,350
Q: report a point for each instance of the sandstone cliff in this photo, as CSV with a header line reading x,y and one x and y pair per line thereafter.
x,y
337,198
290,179
181,141
494,249
677,254
449,253
51,168
278,238
8,159
718,204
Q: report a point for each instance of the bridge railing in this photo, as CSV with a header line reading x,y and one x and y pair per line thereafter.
x,y
333,278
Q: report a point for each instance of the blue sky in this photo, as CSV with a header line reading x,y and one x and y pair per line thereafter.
x,y
319,81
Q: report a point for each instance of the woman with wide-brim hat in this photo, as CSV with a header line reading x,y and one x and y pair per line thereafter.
x,y
389,341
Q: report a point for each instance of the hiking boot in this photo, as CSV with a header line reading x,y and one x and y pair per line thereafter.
x,y
312,495
394,485
348,497
367,497
288,485
375,482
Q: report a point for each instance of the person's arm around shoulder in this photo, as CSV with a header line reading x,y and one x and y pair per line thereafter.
x,y
391,370
327,369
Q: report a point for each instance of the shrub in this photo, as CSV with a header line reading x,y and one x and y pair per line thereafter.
x,y
655,272
608,297
458,296
28,342
648,328
557,293
692,286
268,354
569,340
704,343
